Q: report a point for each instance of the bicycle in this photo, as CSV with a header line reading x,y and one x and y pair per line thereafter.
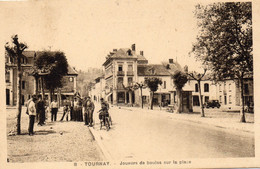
x,y
106,120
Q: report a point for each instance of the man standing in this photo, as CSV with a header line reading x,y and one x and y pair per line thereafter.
x,y
54,110
40,110
89,109
32,114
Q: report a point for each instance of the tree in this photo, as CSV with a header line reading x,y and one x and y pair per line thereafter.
x,y
54,65
130,89
140,86
152,83
198,77
15,50
224,42
179,79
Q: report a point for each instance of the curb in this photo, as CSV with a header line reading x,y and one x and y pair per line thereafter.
x,y
214,125
98,138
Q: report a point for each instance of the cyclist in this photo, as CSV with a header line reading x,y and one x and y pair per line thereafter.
x,y
104,110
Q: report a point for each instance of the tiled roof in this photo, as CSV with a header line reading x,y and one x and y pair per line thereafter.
x,y
122,53
29,54
72,71
152,70
141,57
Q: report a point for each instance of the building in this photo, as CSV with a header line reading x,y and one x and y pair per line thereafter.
x,y
98,89
120,70
162,96
228,93
29,82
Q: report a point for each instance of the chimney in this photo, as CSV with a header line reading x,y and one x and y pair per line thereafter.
x,y
171,61
142,53
133,47
186,69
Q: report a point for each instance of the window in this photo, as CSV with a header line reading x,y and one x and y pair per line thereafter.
x,y
206,87
130,67
196,88
229,87
120,67
220,99
130,80
220,88
23,100
23,84
230,99
206,99
7,76
120,80
246,89
164,84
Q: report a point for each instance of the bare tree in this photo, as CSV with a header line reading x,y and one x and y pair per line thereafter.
x,y
15,50
198,77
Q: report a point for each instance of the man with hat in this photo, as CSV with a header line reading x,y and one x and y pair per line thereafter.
x,y
88,111
32,114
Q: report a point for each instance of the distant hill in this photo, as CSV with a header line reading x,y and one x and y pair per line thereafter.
x,y
85,78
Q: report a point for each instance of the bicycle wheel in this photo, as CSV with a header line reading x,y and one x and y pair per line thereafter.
x,y
107,123
101,124
110,120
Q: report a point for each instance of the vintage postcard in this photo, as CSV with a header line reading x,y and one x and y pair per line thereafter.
x,y
129,84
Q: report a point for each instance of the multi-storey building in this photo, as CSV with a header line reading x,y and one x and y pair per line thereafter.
x,y
29,82
98,89
120,70
162,96
228,93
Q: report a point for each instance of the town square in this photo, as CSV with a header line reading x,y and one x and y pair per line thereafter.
x,y
132,84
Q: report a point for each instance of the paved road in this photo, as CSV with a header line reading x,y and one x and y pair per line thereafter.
x,y
148,135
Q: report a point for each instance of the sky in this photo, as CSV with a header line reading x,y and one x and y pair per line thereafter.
x,y
88,30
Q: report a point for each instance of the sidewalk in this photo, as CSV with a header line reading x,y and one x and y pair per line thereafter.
x,y
213,117
66,141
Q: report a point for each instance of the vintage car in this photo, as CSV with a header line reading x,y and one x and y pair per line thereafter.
x,y
212,103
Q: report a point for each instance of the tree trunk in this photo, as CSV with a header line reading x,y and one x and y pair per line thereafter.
x,y
42,88
179,100
50,96
201,101
36,85
152,94
142,98
19,95
242,111
130,98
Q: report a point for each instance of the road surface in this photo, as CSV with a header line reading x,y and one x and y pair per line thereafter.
x,y
147,134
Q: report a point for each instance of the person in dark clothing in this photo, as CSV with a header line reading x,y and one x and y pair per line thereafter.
x,y
88,111
66,111
40,110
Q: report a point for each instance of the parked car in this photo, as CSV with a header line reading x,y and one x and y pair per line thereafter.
x,y
212,103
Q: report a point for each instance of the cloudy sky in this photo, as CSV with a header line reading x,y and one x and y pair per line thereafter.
x,y
87,30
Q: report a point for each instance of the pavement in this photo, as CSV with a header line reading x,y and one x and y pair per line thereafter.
x,y
65,141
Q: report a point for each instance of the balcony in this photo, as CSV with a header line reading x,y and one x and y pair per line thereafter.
x,y
120,73
130,73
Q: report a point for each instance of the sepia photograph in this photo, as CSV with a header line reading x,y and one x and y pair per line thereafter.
x,y
129,84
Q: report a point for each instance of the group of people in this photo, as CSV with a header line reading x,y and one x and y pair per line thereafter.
x,y
78,110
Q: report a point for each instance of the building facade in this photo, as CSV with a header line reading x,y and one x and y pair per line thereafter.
x,y
120,70
29,82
